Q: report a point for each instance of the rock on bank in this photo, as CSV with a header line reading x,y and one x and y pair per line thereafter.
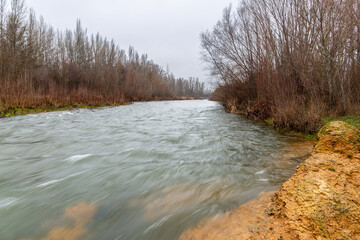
x,y
321,200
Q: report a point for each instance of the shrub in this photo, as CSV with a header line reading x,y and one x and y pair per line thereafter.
x,y
295,115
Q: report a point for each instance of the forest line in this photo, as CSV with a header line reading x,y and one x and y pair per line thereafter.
x,y
292,61
44,67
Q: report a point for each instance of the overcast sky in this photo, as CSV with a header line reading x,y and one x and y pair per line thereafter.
x,y
167,30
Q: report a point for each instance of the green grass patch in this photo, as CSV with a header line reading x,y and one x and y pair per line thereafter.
x,y
269,121
352,120
308,136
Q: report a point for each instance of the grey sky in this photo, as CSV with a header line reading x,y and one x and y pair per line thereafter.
x,y
167,30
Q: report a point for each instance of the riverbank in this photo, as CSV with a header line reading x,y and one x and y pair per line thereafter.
x,y
263,113
321,200
18,111
12,111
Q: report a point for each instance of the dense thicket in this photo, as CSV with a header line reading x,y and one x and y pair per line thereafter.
x,y
41,66
293,60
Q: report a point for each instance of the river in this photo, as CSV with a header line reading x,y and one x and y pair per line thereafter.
x,y
142,171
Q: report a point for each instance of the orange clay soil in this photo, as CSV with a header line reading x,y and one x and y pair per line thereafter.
x,y
321,201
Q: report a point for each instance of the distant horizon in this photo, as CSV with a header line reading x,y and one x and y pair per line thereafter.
x,y
173,44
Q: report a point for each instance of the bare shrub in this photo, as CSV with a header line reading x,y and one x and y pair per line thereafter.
x,y
297,54
296,115
259,110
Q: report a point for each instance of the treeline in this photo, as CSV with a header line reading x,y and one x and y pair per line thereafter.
x,y
291,60
42,66
191,87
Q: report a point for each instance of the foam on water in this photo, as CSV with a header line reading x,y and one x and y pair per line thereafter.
x,y
77,158
45,184
260,172
52,182
7,202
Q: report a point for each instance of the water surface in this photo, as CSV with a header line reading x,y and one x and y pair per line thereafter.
x,y
143,171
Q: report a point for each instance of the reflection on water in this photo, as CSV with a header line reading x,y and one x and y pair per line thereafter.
x,y
181,197
143,171
79,215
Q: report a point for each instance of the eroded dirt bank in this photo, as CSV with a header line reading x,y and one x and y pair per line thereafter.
x,y
321,200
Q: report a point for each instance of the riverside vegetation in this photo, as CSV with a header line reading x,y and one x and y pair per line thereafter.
x,y
42,68
295,63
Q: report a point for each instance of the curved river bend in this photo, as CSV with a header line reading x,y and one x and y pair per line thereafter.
x,y
143,171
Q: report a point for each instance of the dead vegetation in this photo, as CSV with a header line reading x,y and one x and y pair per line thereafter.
x,y
301,58
44,67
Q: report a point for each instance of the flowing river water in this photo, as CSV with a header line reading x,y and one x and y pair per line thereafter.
x,y
142,171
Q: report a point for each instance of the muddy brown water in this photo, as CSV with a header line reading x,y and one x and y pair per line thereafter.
x,y
143,171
